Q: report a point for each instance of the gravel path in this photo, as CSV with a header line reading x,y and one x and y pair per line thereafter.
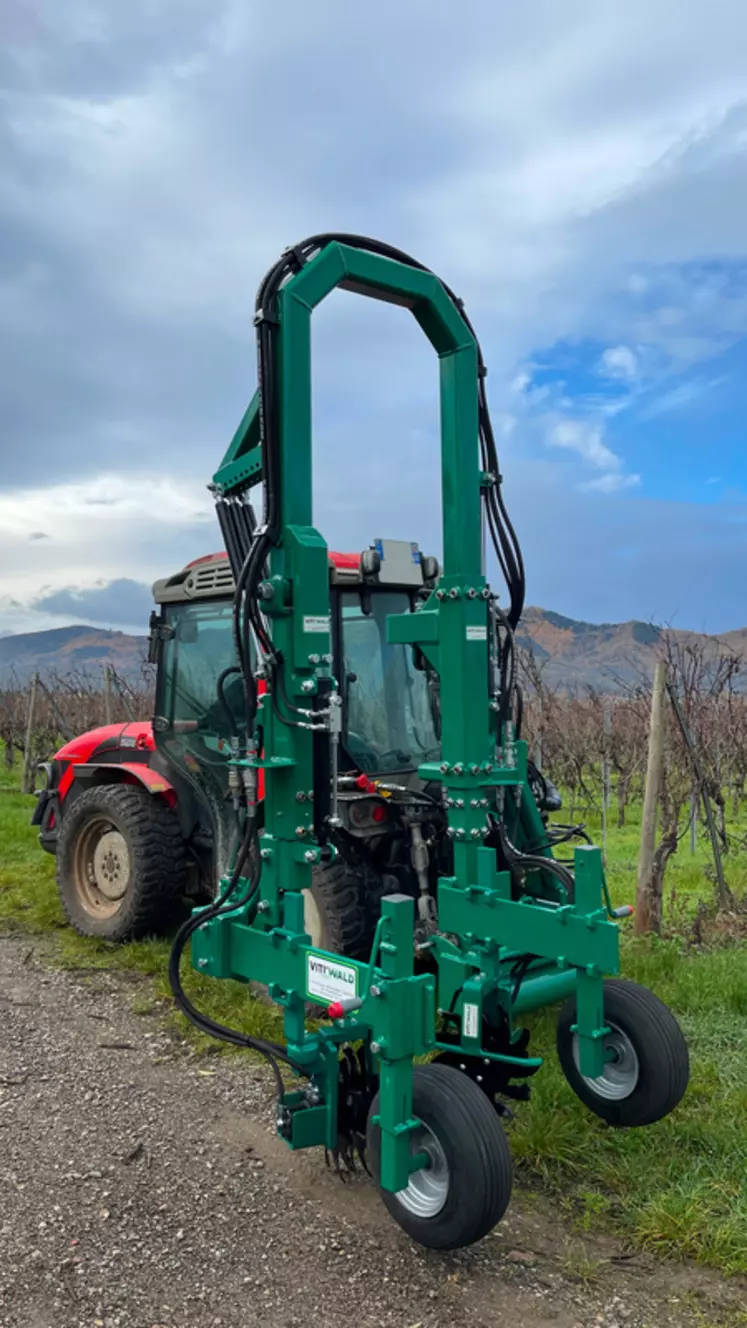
x,y
143,1187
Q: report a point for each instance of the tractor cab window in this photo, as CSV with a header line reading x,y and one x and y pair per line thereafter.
x,y
200,649
389,722
192,729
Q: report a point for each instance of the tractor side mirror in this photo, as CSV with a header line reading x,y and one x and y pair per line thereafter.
x,y
154,637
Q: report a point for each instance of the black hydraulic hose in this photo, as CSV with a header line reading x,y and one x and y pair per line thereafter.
x,y
272,1051
532,862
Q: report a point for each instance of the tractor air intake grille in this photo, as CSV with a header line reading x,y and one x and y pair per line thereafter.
x,y
214,579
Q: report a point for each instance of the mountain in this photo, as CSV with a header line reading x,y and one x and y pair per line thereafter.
x,y
607,656
570,654
66,650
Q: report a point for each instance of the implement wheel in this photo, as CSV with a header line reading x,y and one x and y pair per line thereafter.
x,y
120,863
648,1067
466,1186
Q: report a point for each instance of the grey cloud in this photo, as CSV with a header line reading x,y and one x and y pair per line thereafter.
x,y
118,602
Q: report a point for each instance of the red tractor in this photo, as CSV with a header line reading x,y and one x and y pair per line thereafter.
x,y
140,815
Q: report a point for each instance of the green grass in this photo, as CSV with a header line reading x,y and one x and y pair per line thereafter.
x,y
678,1187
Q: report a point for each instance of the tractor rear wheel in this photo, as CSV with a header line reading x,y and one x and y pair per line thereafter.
x,y
648,1067
120,863
465,1188
335,913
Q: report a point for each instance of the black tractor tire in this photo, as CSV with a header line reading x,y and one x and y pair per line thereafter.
x,y
474,1159
652,1069
121,864
335,910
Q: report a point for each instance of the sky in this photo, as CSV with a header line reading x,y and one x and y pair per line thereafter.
x,y
577,172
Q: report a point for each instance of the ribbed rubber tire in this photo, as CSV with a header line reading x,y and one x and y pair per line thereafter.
x,y
157,876
477,1152
658,1042
338,891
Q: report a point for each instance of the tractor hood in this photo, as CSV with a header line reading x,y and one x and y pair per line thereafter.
x,y
137,736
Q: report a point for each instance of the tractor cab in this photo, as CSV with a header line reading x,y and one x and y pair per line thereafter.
x,y
390,698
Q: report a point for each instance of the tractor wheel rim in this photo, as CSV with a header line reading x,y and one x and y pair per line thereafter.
x,y
428,1188
621,1072
101,868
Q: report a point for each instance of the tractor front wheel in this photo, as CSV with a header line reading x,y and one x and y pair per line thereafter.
x,y
647,1066
120,862
465,1188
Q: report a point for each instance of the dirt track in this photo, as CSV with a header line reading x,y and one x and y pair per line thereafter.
x,y
143,1187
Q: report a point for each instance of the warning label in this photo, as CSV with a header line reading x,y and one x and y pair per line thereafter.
x,y
477,633
328,980
316,624
469,1021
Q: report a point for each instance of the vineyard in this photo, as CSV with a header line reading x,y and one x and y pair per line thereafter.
x,y
594,745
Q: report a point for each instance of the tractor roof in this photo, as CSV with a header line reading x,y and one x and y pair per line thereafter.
x,y
210,577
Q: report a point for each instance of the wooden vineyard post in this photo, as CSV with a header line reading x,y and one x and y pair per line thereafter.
x,y
108,694
27,778
645,904
606,777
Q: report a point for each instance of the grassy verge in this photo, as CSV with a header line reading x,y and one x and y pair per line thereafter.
x,y
679,1187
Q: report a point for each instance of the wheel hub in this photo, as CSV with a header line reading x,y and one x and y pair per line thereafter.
x,y
111,865
428,1188
622,1070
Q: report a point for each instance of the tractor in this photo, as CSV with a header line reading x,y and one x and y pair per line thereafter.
x,y
140,815
336,773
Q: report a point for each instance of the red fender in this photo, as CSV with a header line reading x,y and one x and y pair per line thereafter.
x,y
126,772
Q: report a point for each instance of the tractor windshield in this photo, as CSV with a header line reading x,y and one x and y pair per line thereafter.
x,y
389,720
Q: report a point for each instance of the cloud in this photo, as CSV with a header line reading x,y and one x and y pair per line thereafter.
x,y
677,398
585,439
112,603
612,482
619,362
570,181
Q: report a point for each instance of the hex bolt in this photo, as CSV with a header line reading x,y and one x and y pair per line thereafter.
x,y
471,593
375,991
462,1067
265,853
461,834
458,768
478,1078
326,659
454,593
315,659
459,802
202,963
451,832
474,769
486,592
488,766
474,803
307,685
310,855
440,594
300,831
263,906
300,796
476,834
375,1048
444,767
483,802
